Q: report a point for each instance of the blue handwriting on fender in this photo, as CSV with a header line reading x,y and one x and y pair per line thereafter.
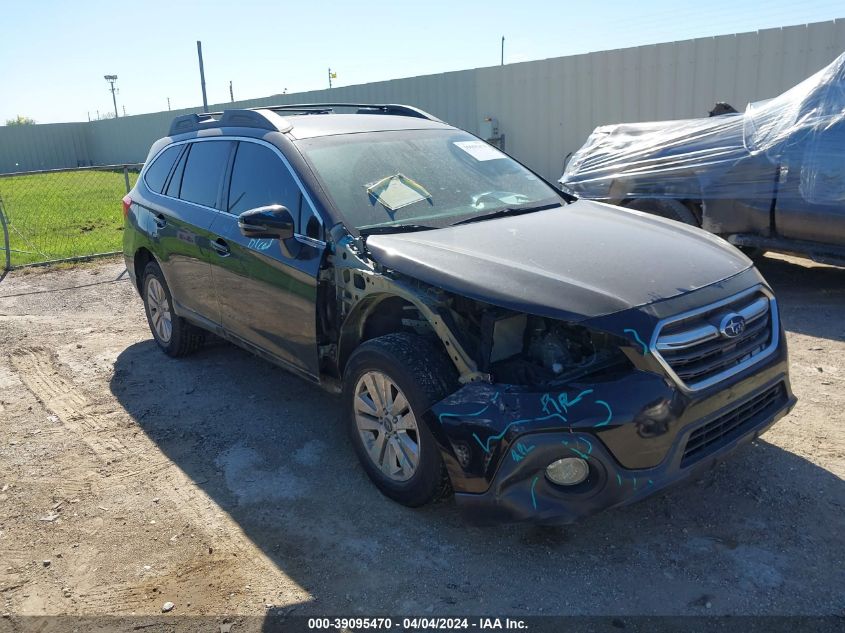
x,y
260,244
519,452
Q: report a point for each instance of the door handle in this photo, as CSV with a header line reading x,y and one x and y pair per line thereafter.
x,y
161,222
220,246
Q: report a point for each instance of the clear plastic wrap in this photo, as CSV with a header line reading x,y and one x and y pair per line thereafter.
x,y
731,156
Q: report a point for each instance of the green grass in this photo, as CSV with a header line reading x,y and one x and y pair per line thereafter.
x,y
63,214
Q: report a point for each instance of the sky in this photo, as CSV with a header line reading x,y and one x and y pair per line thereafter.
x,y
53,55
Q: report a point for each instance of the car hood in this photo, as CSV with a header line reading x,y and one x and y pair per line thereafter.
x,y
579,261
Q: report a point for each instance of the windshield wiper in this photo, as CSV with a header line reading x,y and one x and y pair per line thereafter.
x,y
508,211
393,228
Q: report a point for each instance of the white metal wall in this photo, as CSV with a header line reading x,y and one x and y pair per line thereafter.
x,y
545,108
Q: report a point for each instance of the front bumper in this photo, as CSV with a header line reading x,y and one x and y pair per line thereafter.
x,y
638,431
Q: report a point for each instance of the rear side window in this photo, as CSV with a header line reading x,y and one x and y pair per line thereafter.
x,y
176,178
260,178
157,173
204,172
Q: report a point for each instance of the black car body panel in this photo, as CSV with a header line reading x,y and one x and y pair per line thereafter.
x,y
611,290
579,261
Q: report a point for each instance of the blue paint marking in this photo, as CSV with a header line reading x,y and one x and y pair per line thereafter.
x,y
580,454
521,450
533,497
498,436
637,338
609,413
560,404
260,244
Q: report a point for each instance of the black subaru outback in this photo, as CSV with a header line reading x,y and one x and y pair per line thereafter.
x,y
543,358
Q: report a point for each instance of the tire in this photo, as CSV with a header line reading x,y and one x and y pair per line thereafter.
x,y
424,375
173,334
665,208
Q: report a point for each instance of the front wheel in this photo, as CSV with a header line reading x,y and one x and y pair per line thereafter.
x,y
389,382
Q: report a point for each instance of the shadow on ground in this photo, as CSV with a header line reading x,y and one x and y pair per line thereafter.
x,y
811,296
755,535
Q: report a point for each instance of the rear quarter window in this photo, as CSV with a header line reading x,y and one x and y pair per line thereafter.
x,y
157,173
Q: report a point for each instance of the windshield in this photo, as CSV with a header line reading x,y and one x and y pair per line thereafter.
x,y
428,178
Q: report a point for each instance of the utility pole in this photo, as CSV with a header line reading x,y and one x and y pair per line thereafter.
x,y
503,50
111,79
168,104
124,110
202,77
231,94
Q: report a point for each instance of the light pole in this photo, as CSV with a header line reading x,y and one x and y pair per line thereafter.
x,y
202,77
111,79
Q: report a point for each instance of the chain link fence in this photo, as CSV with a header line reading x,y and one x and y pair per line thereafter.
x,y
63,215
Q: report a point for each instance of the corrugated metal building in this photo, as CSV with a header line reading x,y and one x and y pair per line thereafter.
x,y
545,108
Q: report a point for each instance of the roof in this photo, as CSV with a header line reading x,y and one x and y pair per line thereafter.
x,y
313,125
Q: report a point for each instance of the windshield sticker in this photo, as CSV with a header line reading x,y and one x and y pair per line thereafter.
x,y
397,191
480,150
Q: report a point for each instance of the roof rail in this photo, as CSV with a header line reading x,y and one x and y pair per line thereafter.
x,y
252,117
396,109
227,118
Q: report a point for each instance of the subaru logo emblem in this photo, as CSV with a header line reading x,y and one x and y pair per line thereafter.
x,y
732,325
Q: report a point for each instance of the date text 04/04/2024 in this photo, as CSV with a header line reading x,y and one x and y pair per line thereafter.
x,y
424,623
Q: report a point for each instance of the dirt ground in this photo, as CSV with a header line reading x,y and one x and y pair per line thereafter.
x,y
226,486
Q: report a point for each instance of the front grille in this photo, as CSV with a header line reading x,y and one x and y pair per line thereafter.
x,y
697,351
729,426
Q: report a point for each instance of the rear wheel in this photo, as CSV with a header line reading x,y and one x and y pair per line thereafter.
x,y
389,382
174,335
665,208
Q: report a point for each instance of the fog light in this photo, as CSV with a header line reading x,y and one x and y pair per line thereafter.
x,y
568,471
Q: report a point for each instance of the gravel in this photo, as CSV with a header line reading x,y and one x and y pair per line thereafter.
x,y
251,469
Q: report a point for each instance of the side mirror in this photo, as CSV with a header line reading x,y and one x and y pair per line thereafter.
x,y
273,221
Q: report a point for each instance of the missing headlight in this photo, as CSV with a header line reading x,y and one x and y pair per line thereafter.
x,y
549,351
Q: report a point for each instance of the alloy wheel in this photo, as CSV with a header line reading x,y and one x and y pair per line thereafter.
x,y
387,426
159,307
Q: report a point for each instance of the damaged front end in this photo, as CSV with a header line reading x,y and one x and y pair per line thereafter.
x,y
559,418
582,417
557,391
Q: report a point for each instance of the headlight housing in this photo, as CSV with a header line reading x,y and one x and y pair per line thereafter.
x,y
538,351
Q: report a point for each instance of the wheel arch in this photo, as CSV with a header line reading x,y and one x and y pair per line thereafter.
x,y
374,315
684,187
142,257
